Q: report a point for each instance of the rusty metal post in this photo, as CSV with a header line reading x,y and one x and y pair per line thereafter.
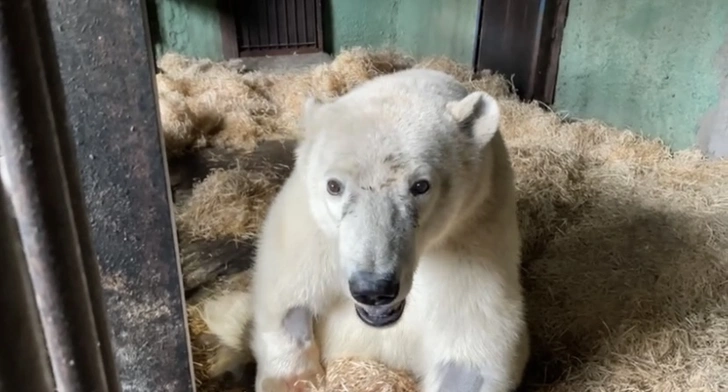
x,y
107,71
68,154
36,175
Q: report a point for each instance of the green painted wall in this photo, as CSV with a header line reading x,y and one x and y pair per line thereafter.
x,y
360,23
659,67
650,65
190,27
438,27
419,27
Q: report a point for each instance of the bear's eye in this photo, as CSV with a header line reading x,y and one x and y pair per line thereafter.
x,y
334,187
420,187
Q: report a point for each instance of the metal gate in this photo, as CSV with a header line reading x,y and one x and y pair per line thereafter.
x,y
271,27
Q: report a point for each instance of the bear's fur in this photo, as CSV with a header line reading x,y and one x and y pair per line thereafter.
x,y
350,209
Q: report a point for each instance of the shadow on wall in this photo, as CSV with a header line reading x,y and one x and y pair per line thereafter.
x,y
155,32
328,26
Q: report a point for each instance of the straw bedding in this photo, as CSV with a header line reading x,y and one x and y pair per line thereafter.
x,y
625,244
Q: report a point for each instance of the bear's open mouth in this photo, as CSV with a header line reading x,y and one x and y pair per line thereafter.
x,y
380,316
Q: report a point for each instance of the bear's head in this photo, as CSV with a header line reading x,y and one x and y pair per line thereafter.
x,y
388,176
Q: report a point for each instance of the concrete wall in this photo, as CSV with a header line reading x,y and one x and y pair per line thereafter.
x,y
656,66
420,27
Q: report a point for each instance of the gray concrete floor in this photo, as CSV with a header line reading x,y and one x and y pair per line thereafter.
x,y
285,62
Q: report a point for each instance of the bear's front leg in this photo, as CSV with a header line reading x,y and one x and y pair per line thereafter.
x,y
480,364
475,342
288,357
453,376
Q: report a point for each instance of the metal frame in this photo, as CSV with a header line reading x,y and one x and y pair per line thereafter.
x,y
522,38
91,294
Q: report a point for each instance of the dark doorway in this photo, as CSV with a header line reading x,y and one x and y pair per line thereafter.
x,y
522,38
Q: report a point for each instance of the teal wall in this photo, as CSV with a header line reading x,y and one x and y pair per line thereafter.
x,y
190,27
659,67
360,23
655,66
438,27
419,27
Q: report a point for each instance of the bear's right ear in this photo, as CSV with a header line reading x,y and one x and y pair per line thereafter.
x,y
478,114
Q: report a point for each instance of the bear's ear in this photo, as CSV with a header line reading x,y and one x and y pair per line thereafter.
x,y
309,110
311,104
478,114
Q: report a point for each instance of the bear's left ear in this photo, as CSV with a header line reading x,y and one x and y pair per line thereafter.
x,y
311,104
309,110
478,114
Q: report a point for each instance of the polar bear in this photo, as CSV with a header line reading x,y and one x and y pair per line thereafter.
x,y
394,239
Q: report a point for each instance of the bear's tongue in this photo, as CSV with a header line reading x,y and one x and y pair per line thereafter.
x,y
380,316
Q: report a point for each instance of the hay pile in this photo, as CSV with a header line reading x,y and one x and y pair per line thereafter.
x,y
625,244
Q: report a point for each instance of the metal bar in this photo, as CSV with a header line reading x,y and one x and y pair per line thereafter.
x,y
243,26
107,70
263,25
273,21
252,20
306,16
319,26
284,23
297,20
21,332
42,203
291,22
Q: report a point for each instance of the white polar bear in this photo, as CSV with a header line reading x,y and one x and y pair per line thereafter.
x,y
394,239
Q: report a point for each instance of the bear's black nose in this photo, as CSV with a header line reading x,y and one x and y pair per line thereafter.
x,y
374,289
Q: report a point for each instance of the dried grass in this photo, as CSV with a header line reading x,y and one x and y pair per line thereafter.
x,y
625,243
347,375
203,349
238,110
227,204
